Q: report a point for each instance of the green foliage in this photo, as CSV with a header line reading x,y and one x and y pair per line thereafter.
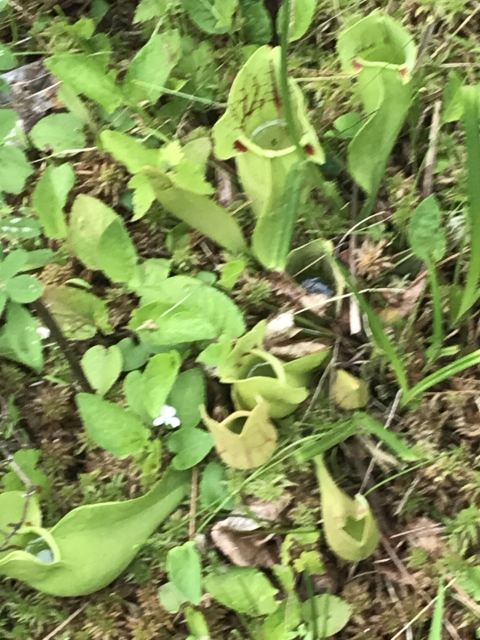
x,y
102,367
243,589
58,132
112,427
257,23
212,16
184,570
189,311
149,70
301,15
79,313
27,460
191,446
14,166
50,197
426,235
87,75
328,614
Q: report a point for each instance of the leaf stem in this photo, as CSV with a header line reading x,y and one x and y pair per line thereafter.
x,y
57,334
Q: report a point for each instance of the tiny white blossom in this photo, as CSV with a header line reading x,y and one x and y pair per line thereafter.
x,y
43,332
168,417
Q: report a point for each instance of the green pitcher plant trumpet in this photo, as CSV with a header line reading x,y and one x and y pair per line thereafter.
x,y
382,55
350,528
245,439
254,372
254,131
90,546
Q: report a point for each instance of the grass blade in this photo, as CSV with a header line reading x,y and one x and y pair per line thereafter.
x,y
442,374
437,620
470,119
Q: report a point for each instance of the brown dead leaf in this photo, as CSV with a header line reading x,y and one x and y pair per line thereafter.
x,y
405,303
426,534
234,536
294,350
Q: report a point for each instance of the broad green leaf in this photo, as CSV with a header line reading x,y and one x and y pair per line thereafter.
x,y
257,23
331,614
143,195
158,379
14,169
8,119
149,275
92,544
213,487
111,427
102,367
191,447
8,59
350,527
199,212
243,589
24,289
184,570
79,313
50,197
133,389
212,16
245,439
27,460
20,228
19,339
231,272
170,598
129,151
134,354
3,4
301,16
116,253
149,70
148,9
196,623
187,395
86,74
281,622
13,263
3,301
88,221
58,132
348,391
381,53
190,313
425,233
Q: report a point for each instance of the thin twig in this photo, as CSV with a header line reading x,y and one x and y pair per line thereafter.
x,y
193,504
431,157
57,334
62,626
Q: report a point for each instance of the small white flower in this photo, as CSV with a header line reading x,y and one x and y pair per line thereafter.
x,y
168,417
43,332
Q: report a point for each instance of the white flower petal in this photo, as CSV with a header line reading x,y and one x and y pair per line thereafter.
x,y
158,421
174,423
168,412
43,332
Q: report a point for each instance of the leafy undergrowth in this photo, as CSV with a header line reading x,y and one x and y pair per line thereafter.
x,y
239,295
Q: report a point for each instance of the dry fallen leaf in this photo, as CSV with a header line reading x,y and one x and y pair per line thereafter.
x,y
294,350
234,538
